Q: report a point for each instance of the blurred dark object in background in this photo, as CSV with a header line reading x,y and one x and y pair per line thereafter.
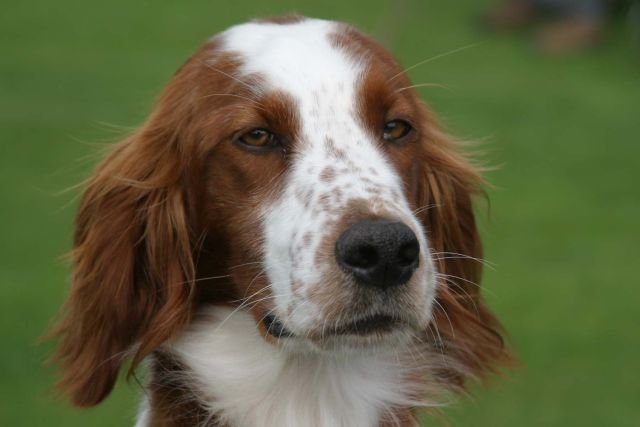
x,y
565,25
634,18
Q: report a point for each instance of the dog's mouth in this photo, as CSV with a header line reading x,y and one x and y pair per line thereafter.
x,y
374,324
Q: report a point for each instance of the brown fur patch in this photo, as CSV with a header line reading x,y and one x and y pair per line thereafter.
x,y
173,402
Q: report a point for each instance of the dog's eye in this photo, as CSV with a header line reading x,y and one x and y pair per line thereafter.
x,y
396,130
257,138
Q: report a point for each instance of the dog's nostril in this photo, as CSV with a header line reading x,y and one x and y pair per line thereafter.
x,y
408,253
361,257
379,253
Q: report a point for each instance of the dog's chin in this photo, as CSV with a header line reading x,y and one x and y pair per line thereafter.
x,y
361,343
369,334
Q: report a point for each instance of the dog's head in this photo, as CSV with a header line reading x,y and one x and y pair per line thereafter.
x,y
288,169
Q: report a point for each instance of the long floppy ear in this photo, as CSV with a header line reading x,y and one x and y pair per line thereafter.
x,y
471,336
133,272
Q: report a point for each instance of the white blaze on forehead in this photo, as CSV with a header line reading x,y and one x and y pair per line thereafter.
x,y
297,57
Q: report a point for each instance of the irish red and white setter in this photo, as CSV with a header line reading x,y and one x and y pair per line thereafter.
x,y
289,240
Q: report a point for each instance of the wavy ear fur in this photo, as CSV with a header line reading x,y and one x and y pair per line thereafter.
x,y
133,272
133,282
469,333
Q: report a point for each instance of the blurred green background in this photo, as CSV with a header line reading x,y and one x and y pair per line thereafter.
x,y
564,213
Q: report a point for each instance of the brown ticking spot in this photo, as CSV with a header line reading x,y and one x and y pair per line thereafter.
x,y
307,238
328,174
366,180
308,197
333,150
325,202
372,190
337,194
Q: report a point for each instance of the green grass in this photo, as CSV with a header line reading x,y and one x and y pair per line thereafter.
x,y
562,229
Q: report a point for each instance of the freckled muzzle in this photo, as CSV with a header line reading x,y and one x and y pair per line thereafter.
x,y
381,257
379,253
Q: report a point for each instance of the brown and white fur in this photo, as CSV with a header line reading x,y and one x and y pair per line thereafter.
x,y
224,211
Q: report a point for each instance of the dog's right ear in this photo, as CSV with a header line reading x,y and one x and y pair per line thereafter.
x,y
133,281
133,273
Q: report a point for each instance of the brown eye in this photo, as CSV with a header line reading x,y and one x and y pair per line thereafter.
x,y
396,130
257,138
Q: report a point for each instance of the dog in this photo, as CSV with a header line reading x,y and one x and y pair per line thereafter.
x,y
289,240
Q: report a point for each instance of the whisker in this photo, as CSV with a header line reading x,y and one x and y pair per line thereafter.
x,y
236,310
465,295
433,58
440,86
438,305
424,208
256,277
259,105
244,265
456,255
217,70
438,342
451,276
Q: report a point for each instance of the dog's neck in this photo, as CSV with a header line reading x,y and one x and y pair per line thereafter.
x,y
221,372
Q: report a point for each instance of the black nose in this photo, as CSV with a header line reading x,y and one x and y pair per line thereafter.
x,y
379,253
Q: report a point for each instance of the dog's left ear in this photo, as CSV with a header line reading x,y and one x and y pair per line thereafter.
x,y
446,186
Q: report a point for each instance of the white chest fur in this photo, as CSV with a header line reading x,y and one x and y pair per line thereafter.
x,y
248,382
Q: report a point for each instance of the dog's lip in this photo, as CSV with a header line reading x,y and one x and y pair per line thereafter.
x,y
371,324
376,323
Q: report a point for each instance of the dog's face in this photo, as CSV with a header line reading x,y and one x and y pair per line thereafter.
x,y
290,170
323,142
